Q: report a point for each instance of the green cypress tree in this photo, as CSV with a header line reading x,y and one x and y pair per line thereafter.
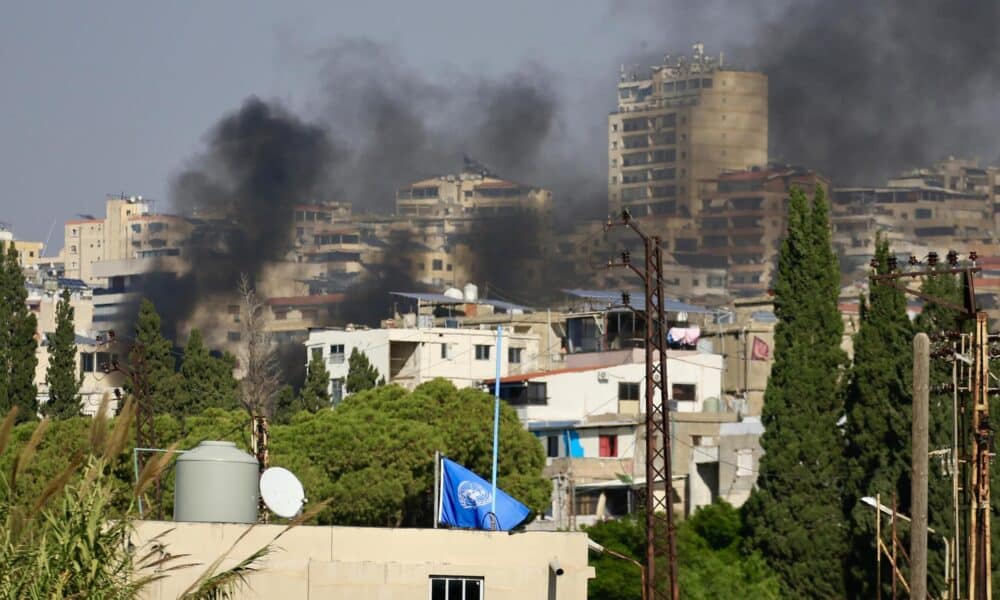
x,y
361,374
794,516
315,394
204,381
64,382
19,325
878,408
151,361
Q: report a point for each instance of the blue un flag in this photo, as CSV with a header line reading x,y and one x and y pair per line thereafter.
x,y
467,498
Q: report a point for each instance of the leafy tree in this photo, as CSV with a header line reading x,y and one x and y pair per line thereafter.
x,y
711,560
361,374
374,453
205,381
17,339
794,517
878,407
151,361
315,394
64,383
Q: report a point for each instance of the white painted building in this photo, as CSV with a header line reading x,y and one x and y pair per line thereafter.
x,y
412,356
576,394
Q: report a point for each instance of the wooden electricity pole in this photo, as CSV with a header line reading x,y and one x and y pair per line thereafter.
x,y
919,476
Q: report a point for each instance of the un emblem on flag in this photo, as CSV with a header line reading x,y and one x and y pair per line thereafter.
x,y
473,495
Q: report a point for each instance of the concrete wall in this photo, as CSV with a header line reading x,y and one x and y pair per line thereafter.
x,y
368,563
413,356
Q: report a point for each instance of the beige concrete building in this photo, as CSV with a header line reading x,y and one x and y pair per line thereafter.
x,y
94,356
354,563
471,193
687,120
29,254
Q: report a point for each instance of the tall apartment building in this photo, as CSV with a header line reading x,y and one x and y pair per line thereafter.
x,y
688,120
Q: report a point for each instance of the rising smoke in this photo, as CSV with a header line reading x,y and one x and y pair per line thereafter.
x,y
378,124
862,89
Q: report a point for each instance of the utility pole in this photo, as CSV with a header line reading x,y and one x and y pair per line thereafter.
x,y
918,483
658,506
978,549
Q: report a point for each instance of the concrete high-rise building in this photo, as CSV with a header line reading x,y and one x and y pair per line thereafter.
x,y
689,120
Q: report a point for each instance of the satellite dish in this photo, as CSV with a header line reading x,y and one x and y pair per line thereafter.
x,y
282,492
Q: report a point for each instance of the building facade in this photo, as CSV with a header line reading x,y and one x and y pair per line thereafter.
x,y
362,563
411,356
687,120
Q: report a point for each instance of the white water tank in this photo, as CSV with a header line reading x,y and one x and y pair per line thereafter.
x,y
453,293
216,483
471,292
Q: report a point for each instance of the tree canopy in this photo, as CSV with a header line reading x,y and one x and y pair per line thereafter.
x,y
712,561
361,373
878,409
18,326
794,516
63,380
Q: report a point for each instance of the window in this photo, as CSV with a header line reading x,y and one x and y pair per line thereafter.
x,y
448,267
744,462
628,391
684,391
337,354
922,213
552,446
317,353
482,352
456,588
608,446
444,351
87,362
537,392
233,336
514,355
336,391
437,264
105,361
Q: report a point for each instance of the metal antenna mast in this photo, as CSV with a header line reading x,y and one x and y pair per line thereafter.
x,y
660,534
978,551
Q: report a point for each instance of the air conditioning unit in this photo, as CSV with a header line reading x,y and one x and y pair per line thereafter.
x,y
602,376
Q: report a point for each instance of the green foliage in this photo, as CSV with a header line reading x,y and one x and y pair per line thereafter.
x,y
151,361
361,374
17,339
794,517
314,395
878,408
64,383
711,560
204,381
373,454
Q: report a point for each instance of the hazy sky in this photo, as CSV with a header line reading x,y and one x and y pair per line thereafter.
x,y
113,97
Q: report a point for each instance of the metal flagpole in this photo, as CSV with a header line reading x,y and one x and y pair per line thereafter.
x,y
496,424
437,487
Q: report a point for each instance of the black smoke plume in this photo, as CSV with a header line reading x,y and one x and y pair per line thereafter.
x,y
259,162
862,89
